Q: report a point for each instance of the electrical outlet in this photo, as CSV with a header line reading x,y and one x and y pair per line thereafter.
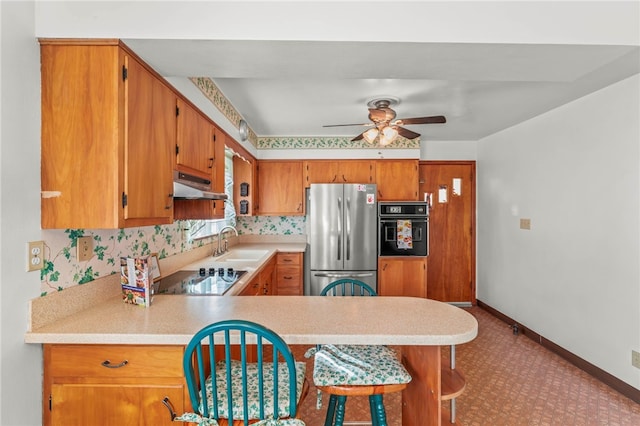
x,y
85,248
35,255
635,359
525,223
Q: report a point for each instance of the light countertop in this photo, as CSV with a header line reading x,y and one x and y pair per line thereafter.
x,y
81,317
298,319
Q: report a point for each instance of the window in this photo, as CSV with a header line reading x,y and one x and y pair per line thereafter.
x,y
198,229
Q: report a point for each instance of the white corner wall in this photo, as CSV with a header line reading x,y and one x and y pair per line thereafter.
x,y
21,365
575,276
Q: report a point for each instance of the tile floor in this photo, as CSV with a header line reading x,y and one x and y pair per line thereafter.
x,y
511,381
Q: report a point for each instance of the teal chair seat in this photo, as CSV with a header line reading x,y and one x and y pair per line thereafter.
x,y
337,365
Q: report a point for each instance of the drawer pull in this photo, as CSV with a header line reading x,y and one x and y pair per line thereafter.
x,y
287,277
167,403
108,364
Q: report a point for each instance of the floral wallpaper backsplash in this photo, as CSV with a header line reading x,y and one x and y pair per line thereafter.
x,y
62,268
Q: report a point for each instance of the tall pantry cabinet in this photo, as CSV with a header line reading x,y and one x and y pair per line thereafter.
x,y
108,134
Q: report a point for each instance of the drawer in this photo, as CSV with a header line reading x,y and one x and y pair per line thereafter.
x,y
288,276
115,361
290,291
289,258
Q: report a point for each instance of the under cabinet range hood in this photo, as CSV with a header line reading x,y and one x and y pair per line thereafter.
x,y
189,187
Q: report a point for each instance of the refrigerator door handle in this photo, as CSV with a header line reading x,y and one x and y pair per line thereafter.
x,y
339,228
348,231
329,275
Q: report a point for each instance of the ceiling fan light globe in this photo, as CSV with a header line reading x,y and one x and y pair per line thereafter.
x,y
370,135
388,135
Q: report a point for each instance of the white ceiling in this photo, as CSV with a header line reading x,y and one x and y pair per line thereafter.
x,y
293,88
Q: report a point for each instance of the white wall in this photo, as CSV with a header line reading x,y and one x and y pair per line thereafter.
x,y
21,368
575,276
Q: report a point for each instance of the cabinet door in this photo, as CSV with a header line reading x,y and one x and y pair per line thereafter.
x,y
356,171
267,278
397,180
148,147
114,404
253,288
281,188
218,160
195,144
319,171
402,276
82,90
198,209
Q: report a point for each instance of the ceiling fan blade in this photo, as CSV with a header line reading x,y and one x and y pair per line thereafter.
x,y
406,133
343,125
359,137
422,120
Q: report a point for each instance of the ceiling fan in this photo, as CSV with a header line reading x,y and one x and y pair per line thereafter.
x,y
384,123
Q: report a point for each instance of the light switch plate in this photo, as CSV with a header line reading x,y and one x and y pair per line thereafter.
x,y
85,248
635,359
525,223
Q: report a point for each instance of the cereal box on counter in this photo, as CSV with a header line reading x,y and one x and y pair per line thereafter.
x,y
136,280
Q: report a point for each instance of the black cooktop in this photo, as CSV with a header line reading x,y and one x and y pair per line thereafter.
x,y
205,282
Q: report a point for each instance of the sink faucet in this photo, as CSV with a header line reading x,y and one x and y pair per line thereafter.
x,y
220,251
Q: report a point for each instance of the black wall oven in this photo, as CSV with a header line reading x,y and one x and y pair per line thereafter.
x,y
403,228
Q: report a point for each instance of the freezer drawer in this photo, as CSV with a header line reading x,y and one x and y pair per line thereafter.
x,y
321,279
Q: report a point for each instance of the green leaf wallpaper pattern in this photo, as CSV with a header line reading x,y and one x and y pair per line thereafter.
x,y
63,270
213,93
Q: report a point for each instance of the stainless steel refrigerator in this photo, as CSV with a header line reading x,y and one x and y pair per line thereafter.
x,y
342,234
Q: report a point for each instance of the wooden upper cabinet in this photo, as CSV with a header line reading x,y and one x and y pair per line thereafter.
x,y
108,134
281,188
397,180
219,138
195,145
207,209
340,171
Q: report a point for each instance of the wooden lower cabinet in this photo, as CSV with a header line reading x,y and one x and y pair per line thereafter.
x,y
112,384
289,274
267,278
402,276
253,288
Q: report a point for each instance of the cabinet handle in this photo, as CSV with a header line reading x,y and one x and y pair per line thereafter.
x,y
167,403
107,363
344,179
287,260
168,206
287,278
211,163
334,178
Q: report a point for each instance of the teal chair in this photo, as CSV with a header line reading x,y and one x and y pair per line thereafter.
x,y
356,370
348,287
240,373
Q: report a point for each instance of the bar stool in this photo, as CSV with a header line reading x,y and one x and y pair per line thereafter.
x,y
356,370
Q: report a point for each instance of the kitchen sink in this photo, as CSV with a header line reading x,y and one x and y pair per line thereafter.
x,y
243,255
